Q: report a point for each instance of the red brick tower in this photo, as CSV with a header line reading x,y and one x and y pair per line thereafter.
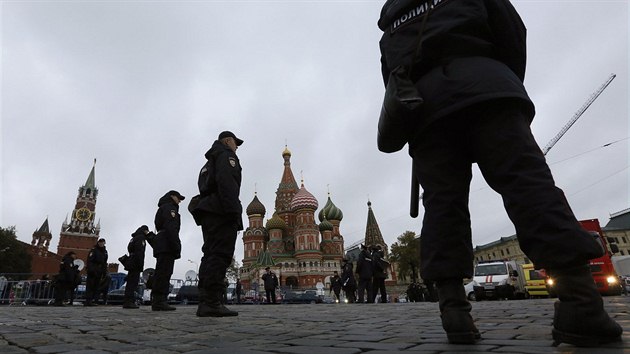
x,y
81,233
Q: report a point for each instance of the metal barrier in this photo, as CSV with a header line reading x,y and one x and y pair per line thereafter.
x,y
26,292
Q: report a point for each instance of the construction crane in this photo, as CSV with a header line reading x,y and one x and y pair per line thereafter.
x,y
416,195
578,114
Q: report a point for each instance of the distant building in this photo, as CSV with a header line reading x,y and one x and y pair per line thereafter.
x,y
504,248
79,234
618,230
373,237
301,252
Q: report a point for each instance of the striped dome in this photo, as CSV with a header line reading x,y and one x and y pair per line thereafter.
x,y
255,207
275,222
303,199
330,212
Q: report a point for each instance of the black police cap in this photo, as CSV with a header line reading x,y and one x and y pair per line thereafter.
x,y
229,134
176,193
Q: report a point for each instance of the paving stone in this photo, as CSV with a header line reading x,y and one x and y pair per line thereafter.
x,y
506,327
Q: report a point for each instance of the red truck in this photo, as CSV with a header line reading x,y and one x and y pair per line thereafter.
x,y
602,268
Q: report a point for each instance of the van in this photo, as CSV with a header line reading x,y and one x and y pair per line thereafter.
x,y
535,281
498,280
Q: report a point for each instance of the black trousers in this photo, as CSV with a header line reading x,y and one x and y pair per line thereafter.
x,y
92,286
378,285
219,240
133,278
365,285
162,277
496,135
271,296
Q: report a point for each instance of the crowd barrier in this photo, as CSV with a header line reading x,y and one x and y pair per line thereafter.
x,y
26,292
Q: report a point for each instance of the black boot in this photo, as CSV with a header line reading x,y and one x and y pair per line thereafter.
x,y
129,304
210,304
159,303
455,312
579,317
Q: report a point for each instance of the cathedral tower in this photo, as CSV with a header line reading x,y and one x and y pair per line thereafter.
x,y
255,236
373,234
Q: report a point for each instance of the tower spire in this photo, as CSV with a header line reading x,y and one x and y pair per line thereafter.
x,y
90,183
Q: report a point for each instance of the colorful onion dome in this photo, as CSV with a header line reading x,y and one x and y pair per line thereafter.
x,y
325,225
303,199
275,222
255,207
286,151
330,212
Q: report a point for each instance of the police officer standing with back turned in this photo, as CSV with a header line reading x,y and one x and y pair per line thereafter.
x,y
365,271
218,211
167,247
136,249
469,67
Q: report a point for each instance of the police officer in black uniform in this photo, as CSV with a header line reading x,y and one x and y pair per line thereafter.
x,y
365,271
348,281
335,285
380,273
66,280
136,248
271,283
218,212
470,71
96,272
167,247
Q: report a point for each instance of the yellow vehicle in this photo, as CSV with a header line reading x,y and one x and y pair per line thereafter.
x,y
535,281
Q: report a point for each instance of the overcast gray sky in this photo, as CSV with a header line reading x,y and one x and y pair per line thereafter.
x,y
145,87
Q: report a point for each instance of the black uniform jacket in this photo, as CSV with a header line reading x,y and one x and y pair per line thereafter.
x,y
335,283
167,224
136,249
470,51
67,270
364,265
220,183
97,261
271,281
379,271
347,277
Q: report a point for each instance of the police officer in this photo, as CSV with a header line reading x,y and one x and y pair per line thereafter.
x,y
335,285
136,248
218,211
365,271
470,69
167,247
348,281
96,272
380,273
271,283
66,279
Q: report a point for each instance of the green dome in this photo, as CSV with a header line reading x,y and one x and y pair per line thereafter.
x,y
325,226
275,223
330,212
255,207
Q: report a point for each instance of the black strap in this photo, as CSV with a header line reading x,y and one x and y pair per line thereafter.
x,y
416,53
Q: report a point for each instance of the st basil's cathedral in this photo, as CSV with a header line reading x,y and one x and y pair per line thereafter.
x,y
300,251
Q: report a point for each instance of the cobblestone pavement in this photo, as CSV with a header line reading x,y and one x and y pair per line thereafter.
x,y
522,326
